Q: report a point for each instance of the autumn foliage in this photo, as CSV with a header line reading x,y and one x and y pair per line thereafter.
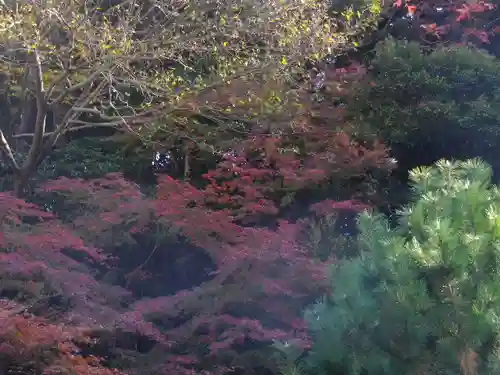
x,y
263,276
451,21
29,344
71,299
265,173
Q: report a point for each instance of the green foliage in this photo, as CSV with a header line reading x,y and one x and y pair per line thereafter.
x,y
83,158
362,16
321,235
415,95
423,297
288,359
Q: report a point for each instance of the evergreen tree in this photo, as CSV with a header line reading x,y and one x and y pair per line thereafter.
x,y
423,297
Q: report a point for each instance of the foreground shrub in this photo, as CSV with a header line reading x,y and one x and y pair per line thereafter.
x,y
423,297
262,278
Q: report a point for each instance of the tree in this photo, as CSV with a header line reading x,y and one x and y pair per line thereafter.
x,y
267,175
148,69
422,296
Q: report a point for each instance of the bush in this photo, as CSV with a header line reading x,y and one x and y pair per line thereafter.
x,y
422,297
430,101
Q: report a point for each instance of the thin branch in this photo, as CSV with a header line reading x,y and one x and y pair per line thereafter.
x,y
56,82
119,119
7,151
84,99
76,87
74,128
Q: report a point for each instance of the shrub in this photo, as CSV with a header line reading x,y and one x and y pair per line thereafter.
x,y
442,103
454,22
266,175
32,345
263,278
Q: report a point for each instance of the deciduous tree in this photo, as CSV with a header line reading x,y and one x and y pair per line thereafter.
x,y
154,67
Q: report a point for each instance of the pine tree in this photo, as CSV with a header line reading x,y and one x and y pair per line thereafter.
x,y
423,297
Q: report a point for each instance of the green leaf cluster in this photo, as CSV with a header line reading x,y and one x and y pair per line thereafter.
x,y
424,295
83,158
450,92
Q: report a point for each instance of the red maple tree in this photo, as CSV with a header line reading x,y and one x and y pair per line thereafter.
x,y
265,173
451,20
263,276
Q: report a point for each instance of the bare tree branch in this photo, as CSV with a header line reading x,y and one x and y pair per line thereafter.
x,y
63,76
7,152
73,88
85,97
85,125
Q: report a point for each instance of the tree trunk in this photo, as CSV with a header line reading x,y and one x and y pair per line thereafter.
x,y
19,184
